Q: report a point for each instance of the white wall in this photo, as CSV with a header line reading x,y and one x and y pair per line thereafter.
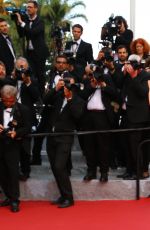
x,y
98,12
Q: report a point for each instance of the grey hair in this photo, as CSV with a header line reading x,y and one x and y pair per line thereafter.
x,y
8,91
22,59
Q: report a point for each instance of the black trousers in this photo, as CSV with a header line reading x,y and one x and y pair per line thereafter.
x,y
9,168
25,156
97,146
58,154
38,67
134,138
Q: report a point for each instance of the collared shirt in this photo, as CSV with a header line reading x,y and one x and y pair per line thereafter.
x,y
7,117
30,45
95,101
74,47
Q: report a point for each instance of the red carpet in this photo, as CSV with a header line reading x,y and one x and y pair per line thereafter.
x,y
85,215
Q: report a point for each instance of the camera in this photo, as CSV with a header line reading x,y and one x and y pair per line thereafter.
x,y
106,43
12,10
98,72
11,126
20,71
111,29
136,65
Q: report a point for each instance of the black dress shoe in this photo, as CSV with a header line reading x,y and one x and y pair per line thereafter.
x,y
66,204
60,200
89,177
126,175
104,177
4,203
23,177
14,206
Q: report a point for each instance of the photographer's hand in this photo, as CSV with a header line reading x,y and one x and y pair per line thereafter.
x,y
1,128
59,85
19,20
12,134
67,93
102,84
130,70
93,82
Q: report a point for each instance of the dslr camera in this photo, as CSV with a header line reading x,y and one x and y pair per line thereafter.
x,y
111,29
98,72
11,126
136,65
20,71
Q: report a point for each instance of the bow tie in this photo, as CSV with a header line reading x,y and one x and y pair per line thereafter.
x,y
7,37
59,73
74,43
8,110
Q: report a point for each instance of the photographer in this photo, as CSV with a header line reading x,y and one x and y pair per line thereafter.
x,y
124,36
14,125
32,27
99,115
27,95
67,107
136,113
59,71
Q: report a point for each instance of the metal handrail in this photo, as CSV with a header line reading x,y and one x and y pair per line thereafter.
x,y
139,153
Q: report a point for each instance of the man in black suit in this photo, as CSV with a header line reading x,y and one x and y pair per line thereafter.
x,y
14,124
28,95
82,51
7,52
32,27
59,71
99,115
135,104
67,107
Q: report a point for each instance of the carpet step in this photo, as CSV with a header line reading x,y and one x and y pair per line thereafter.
x,y
41,185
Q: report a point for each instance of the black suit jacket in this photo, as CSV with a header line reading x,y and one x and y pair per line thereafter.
x,y
64,120
109,94
6,56
22,115
36,35
135,93
84,53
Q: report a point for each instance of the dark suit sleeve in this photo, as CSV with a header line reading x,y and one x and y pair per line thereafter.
x,y
77,107
24,121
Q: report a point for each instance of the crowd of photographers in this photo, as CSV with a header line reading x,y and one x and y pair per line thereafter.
x,y
83,94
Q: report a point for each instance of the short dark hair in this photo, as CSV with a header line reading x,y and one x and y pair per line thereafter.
x,y
78,26
2,20
121,19
61,56
122,47
35,3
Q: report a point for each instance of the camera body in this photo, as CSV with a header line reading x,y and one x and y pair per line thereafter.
x,y
13,10
111,29
98,71
11,126
20,71
136,65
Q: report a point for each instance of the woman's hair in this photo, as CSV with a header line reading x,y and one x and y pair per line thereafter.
x,y
143,42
